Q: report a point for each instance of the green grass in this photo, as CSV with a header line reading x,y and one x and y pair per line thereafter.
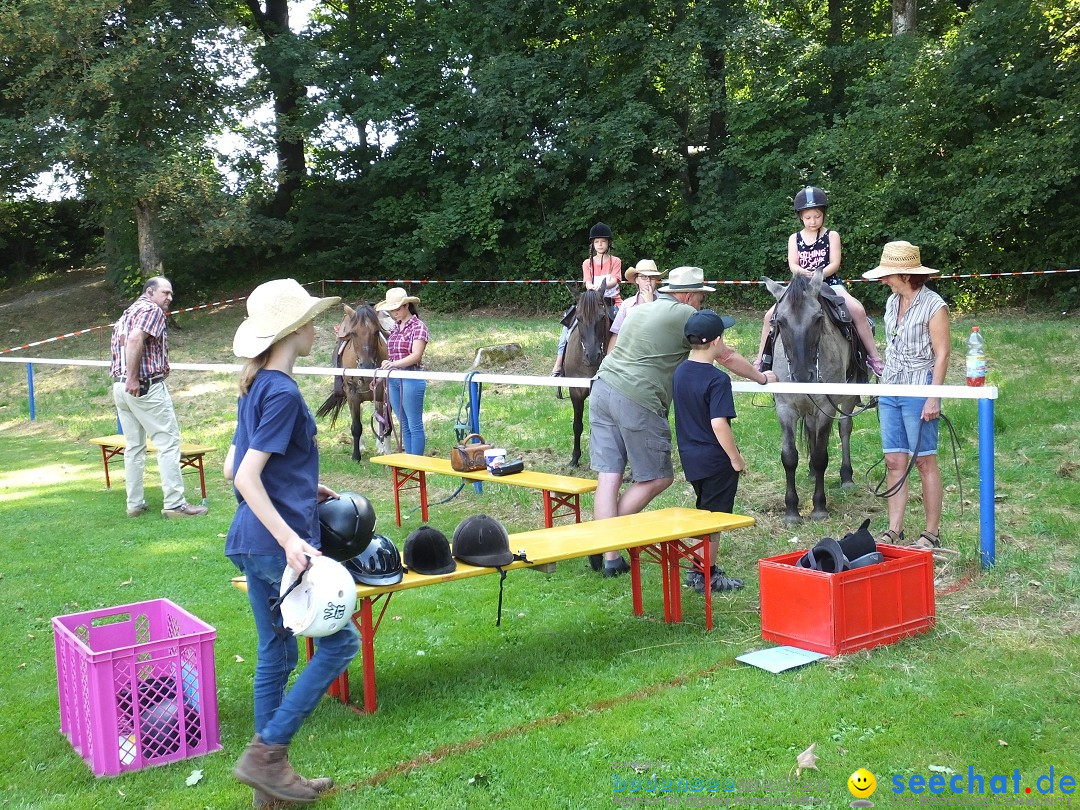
x,y
534,713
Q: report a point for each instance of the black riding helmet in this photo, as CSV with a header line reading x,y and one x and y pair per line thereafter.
x,y
811,197
482,540
346,525
599,231
427,551
378,564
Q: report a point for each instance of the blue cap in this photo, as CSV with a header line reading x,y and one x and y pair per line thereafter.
x,y
706,326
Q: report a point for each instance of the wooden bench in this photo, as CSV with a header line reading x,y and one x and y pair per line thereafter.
x,y
191,456
667,536
562,493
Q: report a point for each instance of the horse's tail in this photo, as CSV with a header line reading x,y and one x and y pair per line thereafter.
x,y
333,405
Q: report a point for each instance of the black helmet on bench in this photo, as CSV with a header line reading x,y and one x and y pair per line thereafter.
x,y
346,525
482,540
427,551
378,564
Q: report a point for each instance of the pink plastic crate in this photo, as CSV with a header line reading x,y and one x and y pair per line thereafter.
x,y
849,611
136,685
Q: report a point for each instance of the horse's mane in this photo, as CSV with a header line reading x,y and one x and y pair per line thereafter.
x,y
365,314
591,307
799,285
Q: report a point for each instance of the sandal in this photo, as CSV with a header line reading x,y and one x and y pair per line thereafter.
x,y
889,536
932,543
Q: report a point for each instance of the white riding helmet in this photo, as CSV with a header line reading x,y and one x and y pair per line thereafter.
x,y
322,603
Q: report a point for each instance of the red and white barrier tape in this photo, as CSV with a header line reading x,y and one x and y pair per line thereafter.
x,y
230,301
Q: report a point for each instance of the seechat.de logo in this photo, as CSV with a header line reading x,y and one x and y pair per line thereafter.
x,y
862,785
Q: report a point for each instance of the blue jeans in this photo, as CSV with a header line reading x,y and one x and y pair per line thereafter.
x,y
278,715
407,400
902,426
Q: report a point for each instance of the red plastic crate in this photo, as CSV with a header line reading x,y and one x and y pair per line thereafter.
x,y
849,611
137,685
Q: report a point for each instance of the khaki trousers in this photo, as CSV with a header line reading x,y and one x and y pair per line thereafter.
x,y
150,416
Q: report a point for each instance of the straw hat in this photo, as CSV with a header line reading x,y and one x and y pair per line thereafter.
x,y
899,257
686,279
276,309
646,267
395,297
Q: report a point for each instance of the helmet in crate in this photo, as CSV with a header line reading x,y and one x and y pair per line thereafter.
x,y
427,551
346,525
378,564
318,602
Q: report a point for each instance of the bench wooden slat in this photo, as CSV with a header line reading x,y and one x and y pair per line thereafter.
x,y
119,442
530,479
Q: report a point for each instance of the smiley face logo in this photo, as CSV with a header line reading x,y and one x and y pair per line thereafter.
x,y
862,784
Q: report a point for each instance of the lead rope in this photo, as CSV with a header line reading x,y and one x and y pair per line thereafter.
x,y
519,557
888,493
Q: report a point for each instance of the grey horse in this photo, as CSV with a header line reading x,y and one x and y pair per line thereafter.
x,y
810,349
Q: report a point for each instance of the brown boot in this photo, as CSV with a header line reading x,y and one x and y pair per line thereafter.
x,y
263,801
266,768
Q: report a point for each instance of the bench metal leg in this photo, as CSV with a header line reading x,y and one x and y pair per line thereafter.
x,y
195,460
635,580
558,505
367,653
402,477
106,454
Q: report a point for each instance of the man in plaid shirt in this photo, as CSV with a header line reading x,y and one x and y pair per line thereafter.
x,y
140,364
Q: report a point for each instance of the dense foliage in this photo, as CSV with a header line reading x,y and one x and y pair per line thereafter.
x,y
482,139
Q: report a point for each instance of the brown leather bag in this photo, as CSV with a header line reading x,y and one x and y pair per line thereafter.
x,y
467,457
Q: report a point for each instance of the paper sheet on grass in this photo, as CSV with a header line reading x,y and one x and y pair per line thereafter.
x,y
780,659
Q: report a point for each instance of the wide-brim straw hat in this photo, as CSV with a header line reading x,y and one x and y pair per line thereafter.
x,y
899,258
395,297
686,279
646,267
276,309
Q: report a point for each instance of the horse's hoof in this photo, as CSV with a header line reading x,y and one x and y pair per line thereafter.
x,y
791,520
847,486
819,516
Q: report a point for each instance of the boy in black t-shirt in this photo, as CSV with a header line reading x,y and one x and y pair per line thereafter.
x,y
704,408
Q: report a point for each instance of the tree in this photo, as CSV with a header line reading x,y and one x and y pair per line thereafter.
x,y
122,96
281,59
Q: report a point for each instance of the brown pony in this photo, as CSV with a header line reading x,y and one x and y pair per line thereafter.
x,y
361,344
585,348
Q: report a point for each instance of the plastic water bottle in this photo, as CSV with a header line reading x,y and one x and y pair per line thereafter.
x,y
976,358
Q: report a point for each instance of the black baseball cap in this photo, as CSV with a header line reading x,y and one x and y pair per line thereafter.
x,y
705,326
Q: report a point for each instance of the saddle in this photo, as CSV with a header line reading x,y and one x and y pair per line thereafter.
x,y
835,307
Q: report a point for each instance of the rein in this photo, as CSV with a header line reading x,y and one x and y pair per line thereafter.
x,y
382,415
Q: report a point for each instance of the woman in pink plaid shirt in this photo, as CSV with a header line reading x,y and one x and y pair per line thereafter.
x,y
405,347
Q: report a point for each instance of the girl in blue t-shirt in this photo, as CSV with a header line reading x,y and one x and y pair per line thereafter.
x,y
274,465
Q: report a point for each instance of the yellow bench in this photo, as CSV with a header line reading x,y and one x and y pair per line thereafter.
x,y
666,536
561,493
191,455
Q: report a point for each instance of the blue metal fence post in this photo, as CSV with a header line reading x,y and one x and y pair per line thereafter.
x,y
30,386
987,537
474,418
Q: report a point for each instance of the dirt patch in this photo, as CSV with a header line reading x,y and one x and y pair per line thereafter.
x,y
75,300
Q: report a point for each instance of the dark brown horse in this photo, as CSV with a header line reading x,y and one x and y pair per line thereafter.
x,y
584,352
361,344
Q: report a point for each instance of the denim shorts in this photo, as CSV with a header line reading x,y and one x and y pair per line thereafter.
x,y
902,426
621,431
